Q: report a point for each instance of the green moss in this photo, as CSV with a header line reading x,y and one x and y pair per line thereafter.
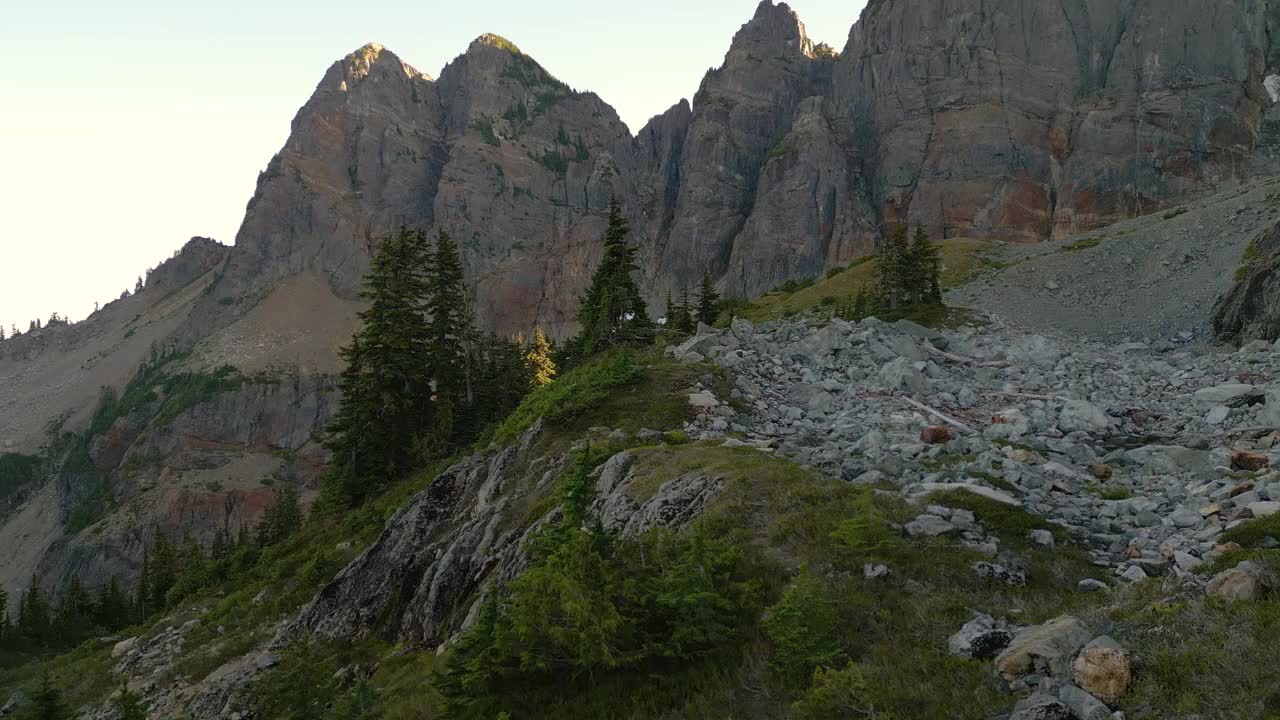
x,y
484,125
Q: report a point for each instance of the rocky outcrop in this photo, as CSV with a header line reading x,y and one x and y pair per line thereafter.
x,y
419,582
199,256
1251,308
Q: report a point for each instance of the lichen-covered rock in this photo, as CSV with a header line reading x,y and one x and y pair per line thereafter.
x,y
1046,649
1104,669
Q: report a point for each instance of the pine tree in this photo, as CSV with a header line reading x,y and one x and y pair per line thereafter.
x,y
111,609
892,270
708,301
670,312
612,311
137,287
159,573
34,616
282,518
127,705
685,322
47,703
2,332
927,266
5,630
542,368
386,387
449,334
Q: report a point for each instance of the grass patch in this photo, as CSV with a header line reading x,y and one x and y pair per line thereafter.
x,y
1082,245
627,388
961,261
1252,533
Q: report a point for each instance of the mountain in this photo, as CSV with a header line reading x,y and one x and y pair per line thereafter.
x,y
1020,120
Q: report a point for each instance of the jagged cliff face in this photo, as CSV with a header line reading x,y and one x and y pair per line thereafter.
x,y
1037,119
1011,119
1021,121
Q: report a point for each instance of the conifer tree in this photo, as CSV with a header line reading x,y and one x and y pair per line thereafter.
x,y
708,301
5,630
449,334
2,332
386,386
542,368
926,264
47,703
685,322
128,706
892,269
282,518
612,312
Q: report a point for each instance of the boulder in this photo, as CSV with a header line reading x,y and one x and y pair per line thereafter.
x,y
1249,461
1230,395
123,647
927,526
1046,649
1083,706
1243,582
982,638
1081,416
1104,669
935,435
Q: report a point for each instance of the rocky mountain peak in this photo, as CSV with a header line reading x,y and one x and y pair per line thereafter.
x,y
775,31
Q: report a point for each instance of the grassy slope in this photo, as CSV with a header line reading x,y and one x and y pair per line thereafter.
x,y
799,527
962,259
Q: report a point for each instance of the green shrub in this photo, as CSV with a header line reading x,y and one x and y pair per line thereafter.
x,y
1254,532
836,694
802,631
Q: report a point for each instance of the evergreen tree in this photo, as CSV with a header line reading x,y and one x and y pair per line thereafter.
x,y
670,311
282,518
2,332
386,387
708,301
449,334
47,703
111,609
137,287
34,615
127,705
5,630
611,311
685,322
926,264
159,573
542,369
892,270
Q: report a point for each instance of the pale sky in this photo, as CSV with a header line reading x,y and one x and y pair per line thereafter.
x,y
130,126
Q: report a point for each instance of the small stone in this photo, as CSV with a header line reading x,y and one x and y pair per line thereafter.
x,y
266,661
1218,415
1091,585
935,435
871,571
1185,518
1134,574
1102,471
1041,707
1043,538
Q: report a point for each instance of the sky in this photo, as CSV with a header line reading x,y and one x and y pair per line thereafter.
x,y
131,126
